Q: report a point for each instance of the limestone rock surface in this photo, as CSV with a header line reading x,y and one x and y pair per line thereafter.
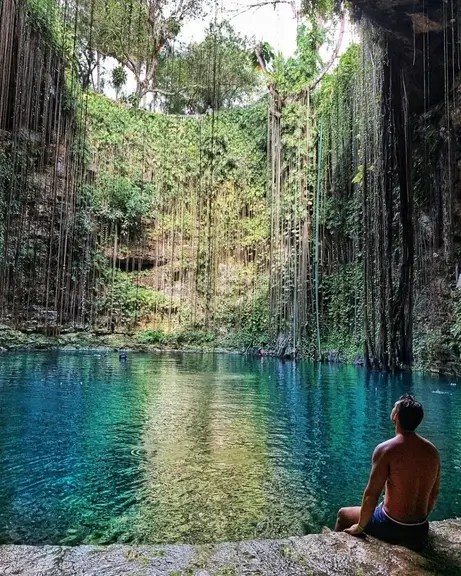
x,y
330,554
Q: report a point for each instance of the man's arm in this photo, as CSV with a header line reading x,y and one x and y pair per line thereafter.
x,y
378,476
434,492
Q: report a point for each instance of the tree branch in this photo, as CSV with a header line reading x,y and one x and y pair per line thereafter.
x,y
129,64
270,84
178,12
274,3
334,56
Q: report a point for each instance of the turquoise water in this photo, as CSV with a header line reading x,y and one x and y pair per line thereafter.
x,y
197,448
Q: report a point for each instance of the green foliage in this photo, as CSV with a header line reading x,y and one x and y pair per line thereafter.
x,y
119,78
147,160
56,30
247,323
435,349
46,17
6,179
343,320
456,324
6,172
266,54
359,177
119,200
124,301
136,33
292,76
337,87
322,8
437,334
184,337
179,183
153,337
215,73
340,215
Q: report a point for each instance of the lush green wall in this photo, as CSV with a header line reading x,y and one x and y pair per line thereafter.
x,y
184,222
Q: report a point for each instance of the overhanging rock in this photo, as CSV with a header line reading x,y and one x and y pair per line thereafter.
x,y
423,36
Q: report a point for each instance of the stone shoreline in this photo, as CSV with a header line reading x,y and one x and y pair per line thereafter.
x,y
329,554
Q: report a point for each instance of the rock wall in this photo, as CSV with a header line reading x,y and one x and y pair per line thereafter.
x,y
423,193
43,253
423,34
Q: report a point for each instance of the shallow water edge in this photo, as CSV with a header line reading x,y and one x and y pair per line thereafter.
x,y
17,340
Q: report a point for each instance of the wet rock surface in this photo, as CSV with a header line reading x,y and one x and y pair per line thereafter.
x,y
314,555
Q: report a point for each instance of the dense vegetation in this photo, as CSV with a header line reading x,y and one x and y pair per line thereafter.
x,y
184,221
267,203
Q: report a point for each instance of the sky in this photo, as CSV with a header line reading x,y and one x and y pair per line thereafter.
x,y
276,25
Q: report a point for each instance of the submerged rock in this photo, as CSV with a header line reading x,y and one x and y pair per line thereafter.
x,y
332,554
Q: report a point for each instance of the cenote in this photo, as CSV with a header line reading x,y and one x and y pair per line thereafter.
x,y
197,448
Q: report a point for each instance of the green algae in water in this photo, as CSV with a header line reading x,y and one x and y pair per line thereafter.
x,y
196,448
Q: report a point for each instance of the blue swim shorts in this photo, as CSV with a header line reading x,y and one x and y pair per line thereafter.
x,y
385,528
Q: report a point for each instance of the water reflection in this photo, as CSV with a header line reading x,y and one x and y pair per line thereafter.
x,y
197,448
206,456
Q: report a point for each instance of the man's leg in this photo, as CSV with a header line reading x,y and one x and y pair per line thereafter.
x,y
347,517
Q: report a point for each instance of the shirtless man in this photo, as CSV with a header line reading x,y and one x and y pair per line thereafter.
x,y
408,467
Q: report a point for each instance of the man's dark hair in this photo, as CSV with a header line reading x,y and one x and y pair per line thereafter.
x,y
410,412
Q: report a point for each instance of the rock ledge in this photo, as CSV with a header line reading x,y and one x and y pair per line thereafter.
x,y
314,555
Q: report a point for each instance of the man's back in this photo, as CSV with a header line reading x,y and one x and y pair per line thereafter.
x,y
413,472
408,468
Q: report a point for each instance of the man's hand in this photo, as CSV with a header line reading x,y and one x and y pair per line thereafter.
x,y
354,530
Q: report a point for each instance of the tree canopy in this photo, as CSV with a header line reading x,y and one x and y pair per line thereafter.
x,y
218,73
135,33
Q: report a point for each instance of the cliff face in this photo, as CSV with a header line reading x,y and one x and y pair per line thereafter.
x,y
41,257
421,183
49,278
437,185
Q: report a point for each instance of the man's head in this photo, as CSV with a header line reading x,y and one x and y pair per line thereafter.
x,y
408,412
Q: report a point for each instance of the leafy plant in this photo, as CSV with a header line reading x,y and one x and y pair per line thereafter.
x,y
125,302
456,324
120,200
192,86
181,338
119,78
